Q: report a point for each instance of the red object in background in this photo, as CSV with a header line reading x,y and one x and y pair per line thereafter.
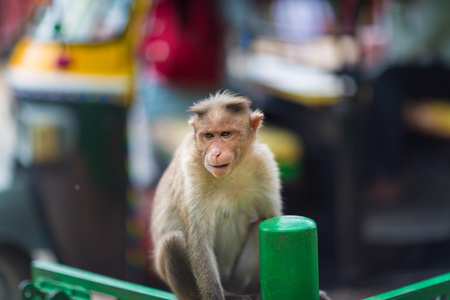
x,y
184,41
13,15
347,15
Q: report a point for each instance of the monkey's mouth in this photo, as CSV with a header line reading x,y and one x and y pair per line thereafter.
x,y
218,166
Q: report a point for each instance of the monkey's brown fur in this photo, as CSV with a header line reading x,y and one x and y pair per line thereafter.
x,y
219,186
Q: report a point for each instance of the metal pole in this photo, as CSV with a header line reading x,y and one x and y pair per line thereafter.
x,y
288,259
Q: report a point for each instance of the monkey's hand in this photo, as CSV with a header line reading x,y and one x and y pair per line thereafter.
x,y
323,296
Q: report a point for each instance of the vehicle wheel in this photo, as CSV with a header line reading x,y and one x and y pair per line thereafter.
x,y
14,267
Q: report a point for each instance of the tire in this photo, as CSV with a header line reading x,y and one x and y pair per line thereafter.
x,y
14,268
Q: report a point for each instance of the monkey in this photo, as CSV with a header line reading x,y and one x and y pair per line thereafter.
x,y
220,185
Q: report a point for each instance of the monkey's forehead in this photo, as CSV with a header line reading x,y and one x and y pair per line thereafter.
x,y
224,123
220,115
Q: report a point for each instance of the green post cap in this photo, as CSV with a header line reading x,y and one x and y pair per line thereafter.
x,y
288,259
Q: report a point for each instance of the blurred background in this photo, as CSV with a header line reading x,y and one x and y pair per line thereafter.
x,y
356,95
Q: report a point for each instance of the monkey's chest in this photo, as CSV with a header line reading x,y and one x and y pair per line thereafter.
x,y
237,211
237,208
231,232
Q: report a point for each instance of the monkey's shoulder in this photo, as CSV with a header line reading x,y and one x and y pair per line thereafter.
x,y
183,158
262,150
263,159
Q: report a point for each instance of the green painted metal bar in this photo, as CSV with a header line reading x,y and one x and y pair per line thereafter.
x,y
433,288
288,267
63,282
288,259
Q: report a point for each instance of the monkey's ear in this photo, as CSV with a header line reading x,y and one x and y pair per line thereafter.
x,y
255,120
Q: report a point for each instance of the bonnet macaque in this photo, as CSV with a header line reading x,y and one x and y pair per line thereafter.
x,y
221,184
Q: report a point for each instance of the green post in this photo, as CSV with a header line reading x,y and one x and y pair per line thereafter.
x,y
288,259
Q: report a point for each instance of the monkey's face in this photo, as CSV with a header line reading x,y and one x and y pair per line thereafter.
x,y
221,146
224,133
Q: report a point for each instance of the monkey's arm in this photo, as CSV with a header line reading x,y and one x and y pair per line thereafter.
x,y
202,258
269,203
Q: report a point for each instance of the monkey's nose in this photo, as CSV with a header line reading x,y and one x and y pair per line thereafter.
x,y
216,153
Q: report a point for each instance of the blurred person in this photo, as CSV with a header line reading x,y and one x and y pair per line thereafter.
x,y
182,61
413,66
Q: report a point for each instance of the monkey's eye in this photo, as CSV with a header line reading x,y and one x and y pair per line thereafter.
x,y
225,134
209,135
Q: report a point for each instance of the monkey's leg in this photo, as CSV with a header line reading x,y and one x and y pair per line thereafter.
x,y
245,275
174,267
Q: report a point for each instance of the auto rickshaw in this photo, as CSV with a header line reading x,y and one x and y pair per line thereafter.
x,y
72,78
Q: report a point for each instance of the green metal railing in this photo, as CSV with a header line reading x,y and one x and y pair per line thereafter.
x,y
437,288
51,281
288,259
288,263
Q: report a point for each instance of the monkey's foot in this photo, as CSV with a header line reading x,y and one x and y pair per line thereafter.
x,y
323,296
